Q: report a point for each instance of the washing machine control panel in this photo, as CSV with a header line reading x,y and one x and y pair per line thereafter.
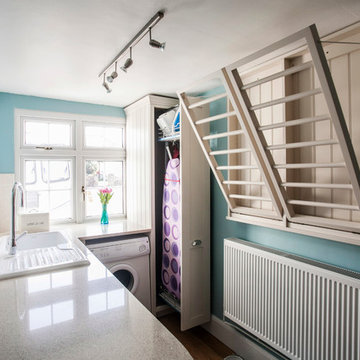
x,y
121,249
102,254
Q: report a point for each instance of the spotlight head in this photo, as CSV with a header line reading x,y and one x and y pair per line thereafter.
x,y
107,87
112,77
127,64
156,44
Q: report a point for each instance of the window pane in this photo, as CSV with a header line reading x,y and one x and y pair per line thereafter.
x,y
103,136
46,133
36,133
58,203
101,174
49,187
61,204
36,174
30,173
60,175
60,134
38,200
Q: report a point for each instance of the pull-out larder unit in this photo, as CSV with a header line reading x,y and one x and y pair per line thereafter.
x,y
169,190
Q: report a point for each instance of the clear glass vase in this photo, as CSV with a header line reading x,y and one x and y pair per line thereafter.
x,y
104,215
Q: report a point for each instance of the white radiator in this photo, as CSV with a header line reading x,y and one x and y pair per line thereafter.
x,y
303,309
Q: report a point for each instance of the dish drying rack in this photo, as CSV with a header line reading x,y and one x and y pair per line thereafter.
x,y
163,138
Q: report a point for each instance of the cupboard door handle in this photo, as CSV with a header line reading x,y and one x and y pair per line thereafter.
x,y
196,243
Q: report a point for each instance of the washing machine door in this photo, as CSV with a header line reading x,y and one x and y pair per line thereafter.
x,y
127,275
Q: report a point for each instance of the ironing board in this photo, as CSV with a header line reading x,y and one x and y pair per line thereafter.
x,y
171,254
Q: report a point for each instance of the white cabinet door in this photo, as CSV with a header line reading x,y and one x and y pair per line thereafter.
x,y
195,195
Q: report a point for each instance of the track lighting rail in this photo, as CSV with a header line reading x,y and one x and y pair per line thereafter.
x,y
141,33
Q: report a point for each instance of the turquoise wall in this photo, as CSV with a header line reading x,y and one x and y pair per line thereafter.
x,y
8,102
331,252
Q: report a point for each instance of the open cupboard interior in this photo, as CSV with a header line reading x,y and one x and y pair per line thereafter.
x,y
146,169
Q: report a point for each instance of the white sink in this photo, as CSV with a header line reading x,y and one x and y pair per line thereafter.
x,y
40,252
41,240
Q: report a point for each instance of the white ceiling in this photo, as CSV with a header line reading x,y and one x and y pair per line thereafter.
x,y
56,49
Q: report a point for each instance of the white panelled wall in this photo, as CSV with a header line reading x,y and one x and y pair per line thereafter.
x,y
138,157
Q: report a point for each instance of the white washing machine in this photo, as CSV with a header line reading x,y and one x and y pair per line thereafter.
x,y
128,260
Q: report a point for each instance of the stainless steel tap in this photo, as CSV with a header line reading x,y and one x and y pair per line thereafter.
x,y
17,186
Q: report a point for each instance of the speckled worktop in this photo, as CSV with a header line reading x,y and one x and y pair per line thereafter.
x,y
92,230
80,313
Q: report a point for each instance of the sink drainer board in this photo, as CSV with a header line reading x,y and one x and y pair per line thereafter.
x,y
26,262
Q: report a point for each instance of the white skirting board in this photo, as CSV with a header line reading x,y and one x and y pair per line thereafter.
x,y
236,341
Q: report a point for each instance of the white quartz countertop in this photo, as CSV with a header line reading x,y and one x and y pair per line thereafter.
x,y
79,313
94,230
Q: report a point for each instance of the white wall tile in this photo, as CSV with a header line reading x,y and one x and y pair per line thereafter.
x,y
6,183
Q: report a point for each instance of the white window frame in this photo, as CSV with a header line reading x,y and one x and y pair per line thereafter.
x,y
55,119
78,152
103,158
107,124
25,157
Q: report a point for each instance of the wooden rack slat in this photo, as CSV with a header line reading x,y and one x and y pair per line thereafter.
x,y
229,151
302,144
317,185
254,212
286,99
249,197
215,117
236,167
243,182
309,165
224,134
208,100
323,204
279,74
294,122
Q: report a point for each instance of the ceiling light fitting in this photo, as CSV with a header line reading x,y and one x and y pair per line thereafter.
x,y
106,85
113,75
156,44
129,46
128,62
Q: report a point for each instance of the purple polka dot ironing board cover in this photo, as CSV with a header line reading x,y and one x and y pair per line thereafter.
x,y
170,270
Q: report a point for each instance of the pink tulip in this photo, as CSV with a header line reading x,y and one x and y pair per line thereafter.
x,y
105,195
106,191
